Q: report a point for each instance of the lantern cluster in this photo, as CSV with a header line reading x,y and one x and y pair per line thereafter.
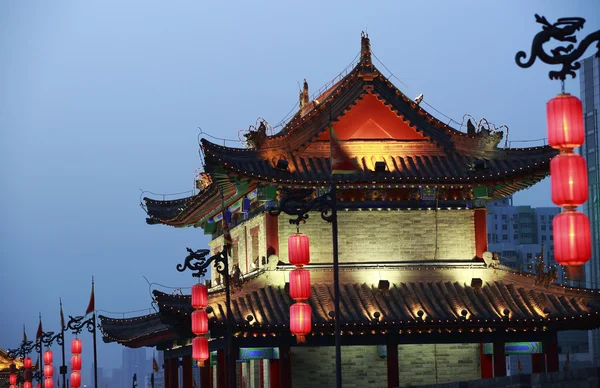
x,y
200,351
48,369
12,377
300,312
76,363
568,174
27,375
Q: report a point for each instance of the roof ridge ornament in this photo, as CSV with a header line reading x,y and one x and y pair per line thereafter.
x,y
367,72
304,99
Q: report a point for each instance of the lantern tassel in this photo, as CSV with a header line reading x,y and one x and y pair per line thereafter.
x,y
300,339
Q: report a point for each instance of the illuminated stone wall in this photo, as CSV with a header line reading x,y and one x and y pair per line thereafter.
x,y
362,366
388,235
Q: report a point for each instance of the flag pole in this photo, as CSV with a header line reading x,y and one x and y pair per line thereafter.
x,y
336,285
94,337
40,330
63,369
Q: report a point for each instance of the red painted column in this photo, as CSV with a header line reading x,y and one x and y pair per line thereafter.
x,y
261,378
173,372
487,365
274,374
221,369
166,373
551,350
393,372
499,359
285,367
272,232
186,369
480,232
205,372
538,363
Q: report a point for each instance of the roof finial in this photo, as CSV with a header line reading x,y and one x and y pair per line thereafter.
x,y
304,95
365,49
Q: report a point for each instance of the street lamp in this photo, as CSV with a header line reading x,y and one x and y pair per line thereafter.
x,y
200,267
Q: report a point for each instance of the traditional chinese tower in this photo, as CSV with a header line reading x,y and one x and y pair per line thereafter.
x,y
419,292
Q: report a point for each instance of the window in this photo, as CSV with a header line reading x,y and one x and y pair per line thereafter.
x,y
255,257
504,237
495,216
504,227
530,255
544,238
543,227
551,237
516,237
515,226
543,217
504,217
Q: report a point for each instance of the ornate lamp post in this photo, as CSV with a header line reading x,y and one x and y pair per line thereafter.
x,y
568,170
76,325
200,266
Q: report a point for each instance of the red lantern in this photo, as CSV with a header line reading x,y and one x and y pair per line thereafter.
x,y
572,238
12,379
48,383
565,121
12,386
28,375
76,363
298,249
27,362
568,173
300,284
300,320
76,346
200,349
48,357
48,370
75,380
199,322
27,384
12,368
199,296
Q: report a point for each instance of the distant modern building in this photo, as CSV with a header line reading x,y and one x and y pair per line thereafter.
x,y
135,362
590,97
516,234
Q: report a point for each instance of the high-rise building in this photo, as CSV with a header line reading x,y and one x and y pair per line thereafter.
x,y
590,97
134,362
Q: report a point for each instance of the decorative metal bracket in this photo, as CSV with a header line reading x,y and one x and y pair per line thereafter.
x,y
201,266
567,56
299,202
48,338
77,324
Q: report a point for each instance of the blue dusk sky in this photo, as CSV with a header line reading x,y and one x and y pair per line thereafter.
x,y
99,99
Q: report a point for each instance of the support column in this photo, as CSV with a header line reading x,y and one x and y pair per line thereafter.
x,y
274,374
272,232
166,373
261,380
480,222
499,359
221,369
487,365
205,372
186,371
285,367
551,350
173,372
538,363
393,372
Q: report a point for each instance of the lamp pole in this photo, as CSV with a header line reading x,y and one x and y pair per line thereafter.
x,y
201,265
76,325
47,339
298,203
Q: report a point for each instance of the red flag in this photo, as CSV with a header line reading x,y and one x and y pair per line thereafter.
x,y
341,163
62,317
91,305
40,330
154,364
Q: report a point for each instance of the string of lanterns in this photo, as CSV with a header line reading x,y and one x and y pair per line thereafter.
x,y
48,369
300,312
569,181
12,378
200,351
76,363
27,376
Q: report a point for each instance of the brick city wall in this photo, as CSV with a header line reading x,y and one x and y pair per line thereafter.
x,y
362,366
388,235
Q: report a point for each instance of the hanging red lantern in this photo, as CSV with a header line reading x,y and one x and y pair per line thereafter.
x,y
12,379
75,380
572,238
48,370
300,284
569,179
28,375
27,362
48,383
300,320
76,363
199,322
76,346
200,351
48,357
27,384
565,121
298,249
199,296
